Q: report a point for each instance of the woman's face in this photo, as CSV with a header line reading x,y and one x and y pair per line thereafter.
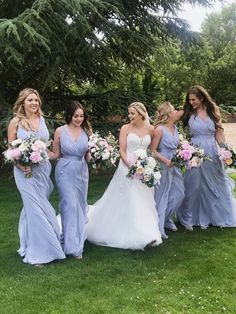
x,y
194,101
78,117
133,115
31,104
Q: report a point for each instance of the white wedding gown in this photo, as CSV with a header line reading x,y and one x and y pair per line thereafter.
x,y
125,216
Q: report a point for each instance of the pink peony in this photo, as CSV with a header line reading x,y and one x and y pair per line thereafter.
x,y
35,157
185,154
16,153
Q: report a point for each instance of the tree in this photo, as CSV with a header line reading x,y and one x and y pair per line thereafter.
x,y
53,44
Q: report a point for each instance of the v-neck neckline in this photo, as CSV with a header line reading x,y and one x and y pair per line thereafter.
x,y
71,137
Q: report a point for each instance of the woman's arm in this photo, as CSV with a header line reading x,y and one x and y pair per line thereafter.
x,y
220,136
11,136
56,149
12,130
158,132
123,144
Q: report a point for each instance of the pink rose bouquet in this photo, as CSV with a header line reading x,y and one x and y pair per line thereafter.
x,y
144,167
27,152
104,151
228,156
188,156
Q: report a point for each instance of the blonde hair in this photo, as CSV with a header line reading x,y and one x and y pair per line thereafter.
x,y
162,113
19,110
140,108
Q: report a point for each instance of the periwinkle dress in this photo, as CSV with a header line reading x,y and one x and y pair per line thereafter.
x,y
209,198
38,226
72,181
169,194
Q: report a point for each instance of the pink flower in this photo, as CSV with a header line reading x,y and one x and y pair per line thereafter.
x,y
185,154
38,146
224,154
35,157
16,153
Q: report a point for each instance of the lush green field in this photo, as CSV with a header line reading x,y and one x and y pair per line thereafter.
x,y
189,273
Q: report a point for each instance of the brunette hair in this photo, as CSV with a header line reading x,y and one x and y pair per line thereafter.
x,y
70,110
211,107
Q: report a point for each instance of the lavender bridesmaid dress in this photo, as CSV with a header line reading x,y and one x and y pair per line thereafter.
x,y
38,226
72,181
209,198
170,193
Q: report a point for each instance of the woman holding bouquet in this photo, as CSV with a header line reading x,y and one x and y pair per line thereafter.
x,y
170,193
209,198
125,216
38,227
71,147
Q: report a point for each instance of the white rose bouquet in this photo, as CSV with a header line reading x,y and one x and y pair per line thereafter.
x,y
144,168
27,152
103,150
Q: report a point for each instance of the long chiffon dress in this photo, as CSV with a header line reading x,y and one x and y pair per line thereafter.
x,y
38,227
169,194
72,181
209,198
125,216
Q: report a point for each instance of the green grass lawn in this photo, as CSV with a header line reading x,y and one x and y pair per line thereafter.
x,y
191,272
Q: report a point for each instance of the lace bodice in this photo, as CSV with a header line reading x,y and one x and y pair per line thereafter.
x,y
135,142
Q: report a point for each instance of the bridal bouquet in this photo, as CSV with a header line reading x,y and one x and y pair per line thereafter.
x,y
188,156
144,168
103,150
27,152
228,156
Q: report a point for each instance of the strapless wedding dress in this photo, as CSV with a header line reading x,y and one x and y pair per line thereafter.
x,y
125,216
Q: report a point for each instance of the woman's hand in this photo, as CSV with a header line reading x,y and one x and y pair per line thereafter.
x,y
25,169
169,163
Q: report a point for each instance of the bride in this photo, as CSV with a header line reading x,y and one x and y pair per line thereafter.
x,y
125,216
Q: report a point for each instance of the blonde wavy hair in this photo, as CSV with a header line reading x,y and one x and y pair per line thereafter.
x,y
140,108
19,110
162,113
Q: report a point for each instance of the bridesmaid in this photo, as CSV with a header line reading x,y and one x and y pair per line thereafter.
x,y
209,198
38,227
170,193
71,146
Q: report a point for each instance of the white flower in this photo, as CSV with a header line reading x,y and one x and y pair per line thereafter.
x,y
148,170
23,147
151,162
105,154
157,176
16,142
234,149
194,162
8,155
141,153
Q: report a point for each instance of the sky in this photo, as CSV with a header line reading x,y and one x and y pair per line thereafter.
x,y
196,14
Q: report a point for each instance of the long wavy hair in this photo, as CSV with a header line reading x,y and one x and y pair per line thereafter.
x,y
211,107
162,113
19,110
70,110
140,108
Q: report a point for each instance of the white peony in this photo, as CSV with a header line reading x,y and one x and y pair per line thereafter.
x,y
105,154
148,170
16,142
8,155
151,162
